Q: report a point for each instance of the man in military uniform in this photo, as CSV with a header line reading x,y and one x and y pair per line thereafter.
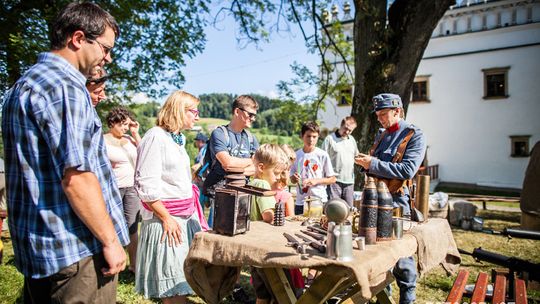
x,y
396,155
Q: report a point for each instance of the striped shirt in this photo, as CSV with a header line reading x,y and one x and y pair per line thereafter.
x,y
48,126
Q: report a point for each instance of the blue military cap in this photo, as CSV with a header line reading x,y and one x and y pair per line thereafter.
x,y
386,100
200,136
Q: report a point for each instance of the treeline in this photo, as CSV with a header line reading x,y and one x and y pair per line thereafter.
x,y
270,114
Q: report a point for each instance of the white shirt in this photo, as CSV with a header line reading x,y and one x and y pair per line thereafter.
x,y
123,155
315,164
162,170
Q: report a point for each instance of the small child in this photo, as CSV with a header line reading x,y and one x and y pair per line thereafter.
x,y
268,162
282,195
312,169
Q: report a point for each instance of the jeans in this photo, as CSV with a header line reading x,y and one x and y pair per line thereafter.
x,y
405,274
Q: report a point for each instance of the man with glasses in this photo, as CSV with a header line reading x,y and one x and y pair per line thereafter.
x,y
230,147
396,156
66,216
342,148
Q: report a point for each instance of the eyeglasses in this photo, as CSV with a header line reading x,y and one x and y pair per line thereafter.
x,y
104,48
251,115
195,111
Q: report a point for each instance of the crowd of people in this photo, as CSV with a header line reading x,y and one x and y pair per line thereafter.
x,y
79,199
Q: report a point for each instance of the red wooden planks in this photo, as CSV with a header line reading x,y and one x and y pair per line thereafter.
x,y
479,292
520,292
499,290
459,286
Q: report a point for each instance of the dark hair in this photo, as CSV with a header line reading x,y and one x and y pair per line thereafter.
x,y
87,17
118,115
244,101
348,118
310,126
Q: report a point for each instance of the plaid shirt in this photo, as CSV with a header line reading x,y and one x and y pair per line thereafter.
x,y
48,126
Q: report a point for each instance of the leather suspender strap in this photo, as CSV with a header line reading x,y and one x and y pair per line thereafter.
x,y
402,146
376,144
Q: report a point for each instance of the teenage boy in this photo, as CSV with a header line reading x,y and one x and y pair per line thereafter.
x,y
312,170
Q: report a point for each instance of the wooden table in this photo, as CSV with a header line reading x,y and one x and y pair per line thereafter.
x,y
213,263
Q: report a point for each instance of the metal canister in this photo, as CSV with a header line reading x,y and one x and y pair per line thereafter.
x,y
397,228
343,242
331,241
368,214
384,212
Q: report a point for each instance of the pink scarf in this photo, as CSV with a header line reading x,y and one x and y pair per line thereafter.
x,y
185,207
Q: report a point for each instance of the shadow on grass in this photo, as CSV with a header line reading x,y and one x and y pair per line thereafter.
x,y
497,215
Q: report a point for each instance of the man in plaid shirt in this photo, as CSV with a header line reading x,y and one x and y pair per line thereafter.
x,y
65,212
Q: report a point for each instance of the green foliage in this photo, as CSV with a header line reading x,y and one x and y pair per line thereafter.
x,y
156,38
281,117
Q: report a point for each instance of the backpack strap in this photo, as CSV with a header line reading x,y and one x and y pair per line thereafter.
x,y
251,142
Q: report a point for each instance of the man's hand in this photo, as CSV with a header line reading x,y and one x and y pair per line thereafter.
x,y
115,256
363,160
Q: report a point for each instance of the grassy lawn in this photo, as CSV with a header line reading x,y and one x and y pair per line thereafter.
x,y
431,288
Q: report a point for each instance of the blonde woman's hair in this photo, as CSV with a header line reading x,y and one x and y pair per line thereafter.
x,y
172,114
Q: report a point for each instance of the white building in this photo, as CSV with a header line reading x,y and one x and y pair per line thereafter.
x,y
477,93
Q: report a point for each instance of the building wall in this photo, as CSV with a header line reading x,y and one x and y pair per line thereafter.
x,y
468,136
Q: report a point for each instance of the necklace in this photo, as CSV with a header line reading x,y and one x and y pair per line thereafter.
x,y
178,138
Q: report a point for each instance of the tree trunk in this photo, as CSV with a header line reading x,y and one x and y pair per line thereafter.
x,y
387,55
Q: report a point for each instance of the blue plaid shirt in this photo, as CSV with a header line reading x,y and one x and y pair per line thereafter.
x,y
48,126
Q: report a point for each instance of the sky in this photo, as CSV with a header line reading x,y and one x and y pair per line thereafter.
x,y
225,67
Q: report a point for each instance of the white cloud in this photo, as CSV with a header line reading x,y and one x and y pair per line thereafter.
x,y
270,94
140,98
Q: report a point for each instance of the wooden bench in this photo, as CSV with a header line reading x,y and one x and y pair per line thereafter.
x,y
503,290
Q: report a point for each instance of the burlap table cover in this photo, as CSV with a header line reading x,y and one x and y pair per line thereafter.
x,y
213,263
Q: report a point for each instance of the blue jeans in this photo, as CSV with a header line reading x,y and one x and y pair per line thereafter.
x,y
405,274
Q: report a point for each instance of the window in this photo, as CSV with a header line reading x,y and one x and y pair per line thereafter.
x,y
420,89
345,97
520,145
496,83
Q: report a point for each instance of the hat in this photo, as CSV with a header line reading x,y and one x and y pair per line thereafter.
x,y
200,136
386,100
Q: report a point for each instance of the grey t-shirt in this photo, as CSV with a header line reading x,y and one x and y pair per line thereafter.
x,y
238,145
315,164
341,151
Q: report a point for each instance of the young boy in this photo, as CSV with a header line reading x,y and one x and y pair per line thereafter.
x,y
269,161
312,170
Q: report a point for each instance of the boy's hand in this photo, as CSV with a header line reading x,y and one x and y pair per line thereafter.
x,y
294,178
309,182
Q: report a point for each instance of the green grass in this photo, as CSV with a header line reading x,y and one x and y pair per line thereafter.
x,y
433,287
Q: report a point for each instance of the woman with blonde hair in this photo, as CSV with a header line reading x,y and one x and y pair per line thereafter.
x,y
174,215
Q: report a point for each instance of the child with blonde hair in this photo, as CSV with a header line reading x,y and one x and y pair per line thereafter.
x,y
282,195
269,166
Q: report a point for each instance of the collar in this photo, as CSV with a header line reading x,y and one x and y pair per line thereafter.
x,y
337,134
393,128
63,64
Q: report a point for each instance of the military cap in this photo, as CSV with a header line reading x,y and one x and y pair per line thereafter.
x,y
386,100
200,136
